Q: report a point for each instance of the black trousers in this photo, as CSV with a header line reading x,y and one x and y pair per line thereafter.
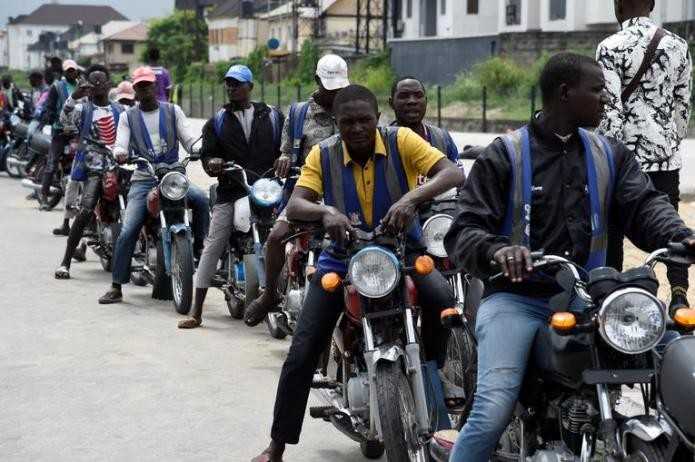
x,y
668,183
314,329
90,196
55,152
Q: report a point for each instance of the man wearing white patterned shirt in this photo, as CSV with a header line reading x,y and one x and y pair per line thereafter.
x,y
653,120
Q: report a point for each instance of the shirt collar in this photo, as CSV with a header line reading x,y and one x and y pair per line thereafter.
x,y
379,148
641,21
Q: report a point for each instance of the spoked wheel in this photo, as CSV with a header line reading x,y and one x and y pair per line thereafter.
x,y
182,273
643,451
161,285
397,415
16,155
460,370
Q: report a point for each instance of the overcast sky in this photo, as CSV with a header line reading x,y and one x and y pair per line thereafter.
x,y
132,9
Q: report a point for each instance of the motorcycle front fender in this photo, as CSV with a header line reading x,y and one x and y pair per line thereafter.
x,y
390,354
177,228
645,427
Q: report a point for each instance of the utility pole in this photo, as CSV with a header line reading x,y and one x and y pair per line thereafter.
x,y
357,27
295,26
384,23
369,25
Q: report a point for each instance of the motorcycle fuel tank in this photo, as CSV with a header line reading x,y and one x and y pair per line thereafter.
x,y
562,358
677,380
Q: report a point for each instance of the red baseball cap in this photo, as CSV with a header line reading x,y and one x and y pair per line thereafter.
x,y
143,74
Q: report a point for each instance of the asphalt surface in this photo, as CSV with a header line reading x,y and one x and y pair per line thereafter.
x,y
83,381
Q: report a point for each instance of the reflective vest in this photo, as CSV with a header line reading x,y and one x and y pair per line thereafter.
x,y
440,139
141,143
340,191
79,168
63,88
600,171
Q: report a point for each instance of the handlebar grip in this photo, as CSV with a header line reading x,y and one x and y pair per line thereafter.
x,y
678,248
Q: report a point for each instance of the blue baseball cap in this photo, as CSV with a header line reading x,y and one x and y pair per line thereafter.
x,y
239,72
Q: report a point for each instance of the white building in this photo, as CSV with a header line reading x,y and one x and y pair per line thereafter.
x,y
4,56
89,45
24,30
231,34
447,18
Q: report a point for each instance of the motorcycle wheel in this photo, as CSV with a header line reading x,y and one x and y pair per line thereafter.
x,y
13,171
251,288
138,278
272,322
460,368
182,273
647,451
106,261
53,198
372,449
161,286
397,415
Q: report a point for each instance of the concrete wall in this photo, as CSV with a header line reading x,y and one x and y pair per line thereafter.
x,y
20,36
4,56
439,61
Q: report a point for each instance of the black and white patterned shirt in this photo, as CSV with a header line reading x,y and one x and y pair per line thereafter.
x,y
654,120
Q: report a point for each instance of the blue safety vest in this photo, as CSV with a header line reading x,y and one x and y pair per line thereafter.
x,y
63,89
441,139
340,191
79,168
600,170
274,120
141,143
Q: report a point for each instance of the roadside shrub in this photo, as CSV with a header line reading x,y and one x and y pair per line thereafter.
x,y
501,76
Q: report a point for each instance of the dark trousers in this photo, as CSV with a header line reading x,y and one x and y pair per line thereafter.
x,y
90,197
314,329
58,143
668,183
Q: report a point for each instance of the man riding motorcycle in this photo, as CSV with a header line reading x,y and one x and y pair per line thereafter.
x,y
365,156
58,94
152,130
409,103
245,133
98,119
565,185
307,124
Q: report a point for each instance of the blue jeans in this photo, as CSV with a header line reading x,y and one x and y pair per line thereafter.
x,y
506,327
135,216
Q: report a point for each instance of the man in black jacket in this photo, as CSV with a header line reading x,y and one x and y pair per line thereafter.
x,y
248,134
574,178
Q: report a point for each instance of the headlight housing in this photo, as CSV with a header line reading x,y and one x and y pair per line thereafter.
x,y
174,186
266,192
433,232
95,161
374,272
632,320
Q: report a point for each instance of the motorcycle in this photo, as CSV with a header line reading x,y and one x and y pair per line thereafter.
x,y
164,253
372,380
110,210
27,143
584,357
254,216
61,176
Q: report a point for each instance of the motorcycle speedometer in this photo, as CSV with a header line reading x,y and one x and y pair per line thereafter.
x,y
632,320
374,272
433,232
174,186
266,192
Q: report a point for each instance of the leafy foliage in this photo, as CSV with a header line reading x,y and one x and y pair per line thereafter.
x,y
308,57
181,38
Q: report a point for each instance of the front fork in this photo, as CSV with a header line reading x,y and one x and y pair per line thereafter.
x,y
413,371
167,232
259,252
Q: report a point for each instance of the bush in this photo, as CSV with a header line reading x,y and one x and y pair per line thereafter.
x,y
375,73
500,76
308,57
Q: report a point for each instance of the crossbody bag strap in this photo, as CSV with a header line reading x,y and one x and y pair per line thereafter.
x,y
649,57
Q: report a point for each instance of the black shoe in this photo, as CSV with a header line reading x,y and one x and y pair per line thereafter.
x,y
112,296
62,231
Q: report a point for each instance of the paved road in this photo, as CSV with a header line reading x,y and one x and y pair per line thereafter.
x,y
82,381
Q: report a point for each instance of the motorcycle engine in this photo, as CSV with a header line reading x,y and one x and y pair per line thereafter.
x,y
578,415
358,392
558,454
294,301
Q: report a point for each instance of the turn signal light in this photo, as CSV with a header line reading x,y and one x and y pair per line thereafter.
x,y
424,265
563,321
685,317
330,282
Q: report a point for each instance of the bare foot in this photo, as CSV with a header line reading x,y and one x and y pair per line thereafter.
x,y
190,323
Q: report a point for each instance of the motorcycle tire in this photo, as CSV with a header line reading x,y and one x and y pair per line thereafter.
x,y
251,288
13,171
273,324
637,449
234,305
107,261
53,198
182,273
397,414
372,449
161,286
461,369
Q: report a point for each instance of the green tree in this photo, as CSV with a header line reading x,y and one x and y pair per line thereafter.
x,y
181,38
308,57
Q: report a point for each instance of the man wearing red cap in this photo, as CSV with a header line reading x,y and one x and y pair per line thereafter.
x,y
58,94
153,130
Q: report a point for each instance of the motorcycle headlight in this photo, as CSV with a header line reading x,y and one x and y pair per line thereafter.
x,y
632,320
174,186
266,192
374,272
433,232
14,120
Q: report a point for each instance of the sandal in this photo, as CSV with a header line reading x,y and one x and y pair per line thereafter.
x,y
62,273
190,323
112,296
262,457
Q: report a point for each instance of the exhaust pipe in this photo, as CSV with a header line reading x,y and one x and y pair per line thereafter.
x,y
16,163
27,183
